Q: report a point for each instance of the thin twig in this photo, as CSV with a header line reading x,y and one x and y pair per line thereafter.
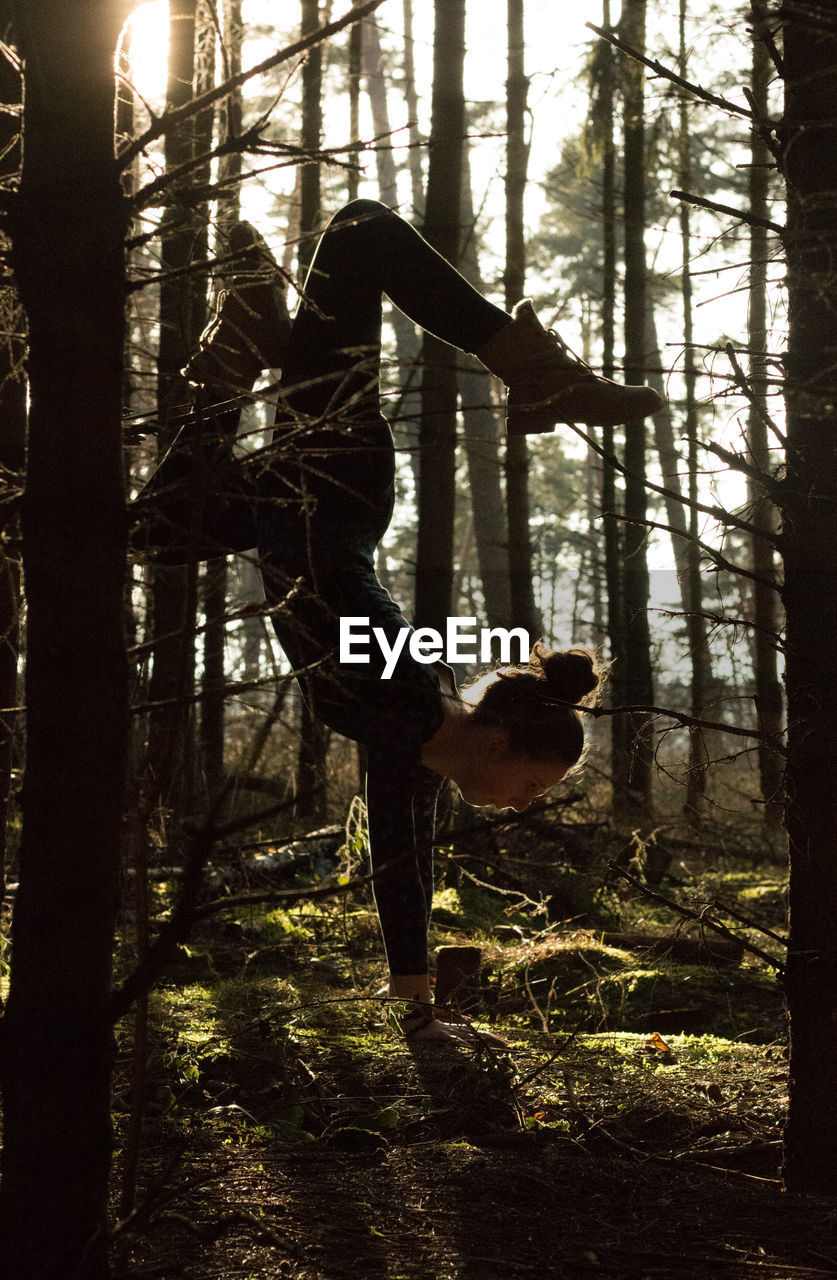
x,y
701,917
697,90
718,620
717,513
721,561
751,924
686,722
753,399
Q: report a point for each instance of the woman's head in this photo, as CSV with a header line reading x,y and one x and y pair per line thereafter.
x,y
531,734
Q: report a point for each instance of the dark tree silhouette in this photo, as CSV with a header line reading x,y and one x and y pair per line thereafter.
x,y
809,160
524,609
67,224
437,490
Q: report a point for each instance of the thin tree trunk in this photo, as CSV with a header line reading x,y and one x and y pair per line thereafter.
x,y
411,99
524,609
437,490
637,651
690,574
809,527
766,606
355,71
12,444
171,738
215,581
482,448
68,234
313,741
406,415
310,140
611,503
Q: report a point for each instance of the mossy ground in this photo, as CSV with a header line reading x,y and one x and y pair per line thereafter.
x,y
290,1132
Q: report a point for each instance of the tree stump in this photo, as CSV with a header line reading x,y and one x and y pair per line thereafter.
x,y
457,982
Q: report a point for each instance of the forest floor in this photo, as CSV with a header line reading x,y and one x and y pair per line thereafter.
x,y
631,1129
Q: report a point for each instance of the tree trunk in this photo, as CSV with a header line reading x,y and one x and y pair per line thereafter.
x,y
182,309
355,70
690,574
637,651
524,609
215,578
313,741
68,232
611,499
482,448
310,140
437,489
12,443
810,551
766,611
406,414
411,99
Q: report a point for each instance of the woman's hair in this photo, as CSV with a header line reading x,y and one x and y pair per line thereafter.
x,y
534,703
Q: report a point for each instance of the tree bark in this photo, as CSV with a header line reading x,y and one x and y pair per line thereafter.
x,y
482,447
68,230
215,578
310,140
809,524
406,414
411,100
766,605
690,574
313,740
182,311
611,498
12,444
437,489
524,609
637,650
355,70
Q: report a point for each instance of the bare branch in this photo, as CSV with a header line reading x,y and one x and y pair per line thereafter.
x,y
740,215
755,402
686,722
717,513
719,620
720,560
696,90
717,905
737,463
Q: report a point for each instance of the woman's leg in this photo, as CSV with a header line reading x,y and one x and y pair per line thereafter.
x,y
199,502
401,800
330,484
366,251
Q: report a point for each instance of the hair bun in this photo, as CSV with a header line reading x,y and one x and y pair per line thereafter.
x,y
571,674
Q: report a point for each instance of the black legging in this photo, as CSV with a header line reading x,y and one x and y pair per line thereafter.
x,y
326,500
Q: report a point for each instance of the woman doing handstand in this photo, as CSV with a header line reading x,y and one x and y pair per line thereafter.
x,y
323,501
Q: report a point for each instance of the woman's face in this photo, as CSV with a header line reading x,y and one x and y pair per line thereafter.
x,y
506,780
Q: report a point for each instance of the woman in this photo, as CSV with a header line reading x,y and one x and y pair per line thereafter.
x,y
323,497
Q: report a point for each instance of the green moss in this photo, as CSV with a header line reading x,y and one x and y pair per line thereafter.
x,y
558,981
280,926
